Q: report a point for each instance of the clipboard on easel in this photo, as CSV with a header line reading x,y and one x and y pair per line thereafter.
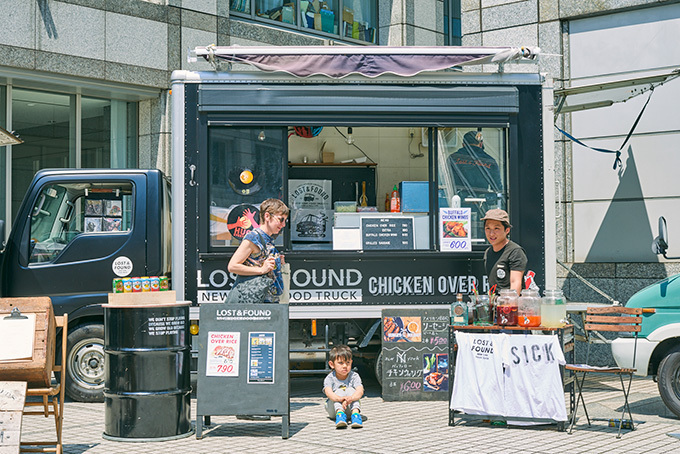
x,y
17,334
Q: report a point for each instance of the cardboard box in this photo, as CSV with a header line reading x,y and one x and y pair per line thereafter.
x,y
327,157
143,298
415,196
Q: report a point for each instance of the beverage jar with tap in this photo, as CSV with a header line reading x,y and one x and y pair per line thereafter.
x,y
553,309
529,308
506,307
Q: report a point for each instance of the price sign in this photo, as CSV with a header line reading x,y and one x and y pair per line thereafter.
x,y
454,230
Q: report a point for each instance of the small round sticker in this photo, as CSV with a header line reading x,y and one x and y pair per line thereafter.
x,y
122,266
500,273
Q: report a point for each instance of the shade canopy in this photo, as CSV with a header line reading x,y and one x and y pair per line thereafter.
x,y
369,61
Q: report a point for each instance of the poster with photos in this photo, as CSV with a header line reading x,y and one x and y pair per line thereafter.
x,y
113,207
111,224
93,207
93,224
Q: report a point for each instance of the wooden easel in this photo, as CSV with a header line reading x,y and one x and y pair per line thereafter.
x,y
37,370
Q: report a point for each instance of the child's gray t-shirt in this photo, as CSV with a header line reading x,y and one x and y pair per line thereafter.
x,y
331,381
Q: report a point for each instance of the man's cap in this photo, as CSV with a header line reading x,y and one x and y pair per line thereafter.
x,y
497,214
471,137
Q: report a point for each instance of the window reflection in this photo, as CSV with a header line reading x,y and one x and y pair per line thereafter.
x,y
472,171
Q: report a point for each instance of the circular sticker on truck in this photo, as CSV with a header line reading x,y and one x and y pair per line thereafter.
x,y
122,266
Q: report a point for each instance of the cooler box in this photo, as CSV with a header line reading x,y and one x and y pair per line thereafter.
x,y
415,197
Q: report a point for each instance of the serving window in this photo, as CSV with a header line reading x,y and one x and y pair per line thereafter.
x,y
339,183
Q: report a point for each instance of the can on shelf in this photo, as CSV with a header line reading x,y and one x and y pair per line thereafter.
x,y
155,283
146,284
118,285
127,285
136,284
163,283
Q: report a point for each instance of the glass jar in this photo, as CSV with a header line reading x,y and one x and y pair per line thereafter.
x,y
553,309
506,308
529,308
483,313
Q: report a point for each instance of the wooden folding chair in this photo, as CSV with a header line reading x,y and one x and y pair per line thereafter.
x,y
607,319
52,396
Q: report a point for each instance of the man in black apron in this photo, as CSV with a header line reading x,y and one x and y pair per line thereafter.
x,y
505,261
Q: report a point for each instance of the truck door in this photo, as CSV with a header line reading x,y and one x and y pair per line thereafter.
x,y
69,231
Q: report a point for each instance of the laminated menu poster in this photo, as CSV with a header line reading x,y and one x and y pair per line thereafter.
x,y
415,360
311,216
454,230
261,349
223,354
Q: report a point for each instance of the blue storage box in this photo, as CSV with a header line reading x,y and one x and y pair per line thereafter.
x,y
415,196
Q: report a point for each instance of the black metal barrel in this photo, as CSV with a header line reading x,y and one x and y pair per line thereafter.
x,y
148,376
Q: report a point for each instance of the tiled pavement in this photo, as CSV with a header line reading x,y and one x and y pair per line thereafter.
x,y
392,427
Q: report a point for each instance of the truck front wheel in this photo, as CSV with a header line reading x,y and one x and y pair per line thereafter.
x,y
669,380
85,364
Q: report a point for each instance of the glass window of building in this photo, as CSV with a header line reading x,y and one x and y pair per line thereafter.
x,y
67,131
349,20
452,23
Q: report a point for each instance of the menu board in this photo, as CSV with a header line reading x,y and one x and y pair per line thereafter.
x,y
415,354
261,357
387,233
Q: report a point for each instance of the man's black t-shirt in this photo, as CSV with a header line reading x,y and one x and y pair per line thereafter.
x,y
499,264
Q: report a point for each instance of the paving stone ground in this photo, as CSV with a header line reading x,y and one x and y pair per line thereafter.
x,y
391,427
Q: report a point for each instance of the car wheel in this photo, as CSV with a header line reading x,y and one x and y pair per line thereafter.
x,y
669,380
85,364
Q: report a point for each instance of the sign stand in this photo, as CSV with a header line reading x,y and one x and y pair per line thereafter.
x,y
415,357
243,363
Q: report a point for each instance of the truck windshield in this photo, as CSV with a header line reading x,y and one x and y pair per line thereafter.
x,y
64,211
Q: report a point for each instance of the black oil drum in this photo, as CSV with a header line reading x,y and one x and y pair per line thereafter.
x,y
148,376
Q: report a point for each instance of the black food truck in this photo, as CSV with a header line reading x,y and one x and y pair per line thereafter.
x,y
335,132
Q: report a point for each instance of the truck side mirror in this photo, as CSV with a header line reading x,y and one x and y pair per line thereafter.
x,y
660,243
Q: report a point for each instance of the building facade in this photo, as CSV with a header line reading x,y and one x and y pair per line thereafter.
x,y
606,217
85,83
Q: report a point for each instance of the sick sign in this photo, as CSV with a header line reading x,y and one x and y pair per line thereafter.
x,y
223,354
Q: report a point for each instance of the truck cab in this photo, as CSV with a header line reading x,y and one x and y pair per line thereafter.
x,y
75,231
658,344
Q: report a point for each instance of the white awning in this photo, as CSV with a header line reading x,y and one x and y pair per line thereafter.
x,y
607,93
369,61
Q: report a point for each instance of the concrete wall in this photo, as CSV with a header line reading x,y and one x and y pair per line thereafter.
x,y
605,219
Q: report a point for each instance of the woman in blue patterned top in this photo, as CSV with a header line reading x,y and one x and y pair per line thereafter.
x,y
257,254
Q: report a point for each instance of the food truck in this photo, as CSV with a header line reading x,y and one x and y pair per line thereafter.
x,y
335,132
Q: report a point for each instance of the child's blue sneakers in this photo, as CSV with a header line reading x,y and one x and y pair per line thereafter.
x,y
340,420
357,423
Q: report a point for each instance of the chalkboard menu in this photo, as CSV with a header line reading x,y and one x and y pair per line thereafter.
x,y
387,233
415,354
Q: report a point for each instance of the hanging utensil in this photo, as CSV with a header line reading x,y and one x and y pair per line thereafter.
x,y
364,200
356,192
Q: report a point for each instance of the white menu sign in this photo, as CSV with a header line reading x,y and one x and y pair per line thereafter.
x,y
454,230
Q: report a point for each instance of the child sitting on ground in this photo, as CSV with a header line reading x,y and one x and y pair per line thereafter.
x,y
343,388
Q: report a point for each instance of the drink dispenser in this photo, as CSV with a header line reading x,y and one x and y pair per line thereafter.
x,y
529,308
506,307
553,309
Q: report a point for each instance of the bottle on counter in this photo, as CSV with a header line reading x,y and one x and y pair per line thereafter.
x,y
459,311
387,202
395,201
553,309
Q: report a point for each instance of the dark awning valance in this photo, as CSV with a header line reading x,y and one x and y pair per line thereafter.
x,y
369,61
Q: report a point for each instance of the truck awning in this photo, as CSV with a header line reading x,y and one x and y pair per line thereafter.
x,y
369,61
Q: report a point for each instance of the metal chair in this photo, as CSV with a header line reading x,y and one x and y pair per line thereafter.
x,y
607,319
52,399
